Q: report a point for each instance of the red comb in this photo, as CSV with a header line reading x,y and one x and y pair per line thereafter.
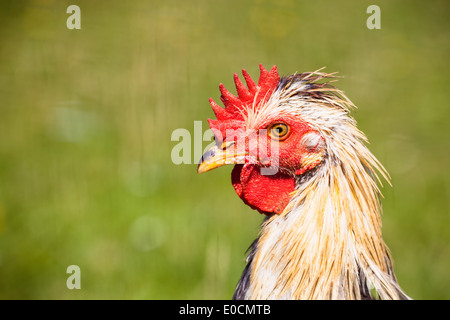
x,y
232,115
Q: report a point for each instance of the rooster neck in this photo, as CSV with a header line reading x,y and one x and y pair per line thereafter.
x,y
327,244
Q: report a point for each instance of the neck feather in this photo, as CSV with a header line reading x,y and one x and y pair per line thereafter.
x,y
327,244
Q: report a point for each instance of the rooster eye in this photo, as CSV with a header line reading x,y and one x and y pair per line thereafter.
x,y
279,131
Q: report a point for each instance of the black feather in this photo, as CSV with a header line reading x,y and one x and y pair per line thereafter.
x,y
244,281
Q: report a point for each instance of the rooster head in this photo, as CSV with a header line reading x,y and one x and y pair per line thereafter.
x,y
262,132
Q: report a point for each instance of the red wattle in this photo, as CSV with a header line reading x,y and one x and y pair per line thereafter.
x,y
266,193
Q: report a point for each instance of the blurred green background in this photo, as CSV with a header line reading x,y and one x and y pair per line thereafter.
x,y
86,118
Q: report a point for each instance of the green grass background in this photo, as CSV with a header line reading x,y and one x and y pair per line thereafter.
x,y
86,118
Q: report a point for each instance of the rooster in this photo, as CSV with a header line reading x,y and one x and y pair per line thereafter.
x,y
321,238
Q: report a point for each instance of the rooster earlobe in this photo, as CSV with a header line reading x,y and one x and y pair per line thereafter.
x,y
313,142
313,150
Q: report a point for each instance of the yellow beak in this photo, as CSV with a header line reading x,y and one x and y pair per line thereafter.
x,y
218,156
